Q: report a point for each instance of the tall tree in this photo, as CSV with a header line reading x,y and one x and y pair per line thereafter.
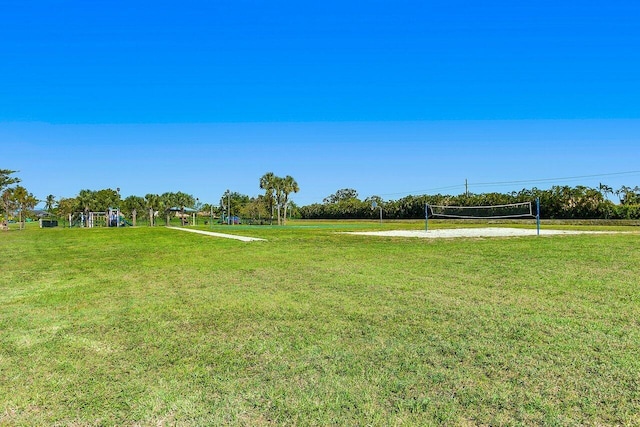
x,y
183,201
24,201
86,202
256,208
289,185
628,195
8,205
5,182
267,183
154,204
132,205
341,195
278,185
233,204
66,207
49,202
605,189
169,200
105,199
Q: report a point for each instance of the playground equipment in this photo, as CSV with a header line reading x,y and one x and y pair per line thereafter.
x,y
111,218
116,219
230,220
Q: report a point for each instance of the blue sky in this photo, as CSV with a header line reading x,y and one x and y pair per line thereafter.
x,y
387,97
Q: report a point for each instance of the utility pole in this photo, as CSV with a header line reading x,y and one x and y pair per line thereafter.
x,y
466,187
118,208
374,205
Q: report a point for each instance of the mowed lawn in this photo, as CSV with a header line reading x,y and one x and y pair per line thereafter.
x,y
152,326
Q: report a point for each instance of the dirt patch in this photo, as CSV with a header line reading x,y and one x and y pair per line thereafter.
x,y
472,232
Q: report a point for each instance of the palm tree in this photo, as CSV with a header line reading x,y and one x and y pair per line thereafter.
x,y
183,200
168,200
131,205
86,200
49,202
278,185
605,189
623,194
267,183
152,202
289,185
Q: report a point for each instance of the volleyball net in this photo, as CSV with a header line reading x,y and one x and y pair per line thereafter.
x,y
508,211
514,210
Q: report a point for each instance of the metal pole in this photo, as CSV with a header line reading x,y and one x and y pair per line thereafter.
x,y
380,214
538,215
118,209
426,217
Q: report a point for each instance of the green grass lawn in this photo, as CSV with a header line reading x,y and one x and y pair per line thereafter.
x,y
151,326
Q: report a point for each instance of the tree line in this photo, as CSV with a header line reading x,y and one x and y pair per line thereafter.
x,y
14,199
274,204
557,202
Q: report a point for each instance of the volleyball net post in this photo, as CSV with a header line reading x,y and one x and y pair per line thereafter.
x,y
538,215
426,217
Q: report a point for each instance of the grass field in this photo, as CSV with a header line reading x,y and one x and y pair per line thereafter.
x,y
150,326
